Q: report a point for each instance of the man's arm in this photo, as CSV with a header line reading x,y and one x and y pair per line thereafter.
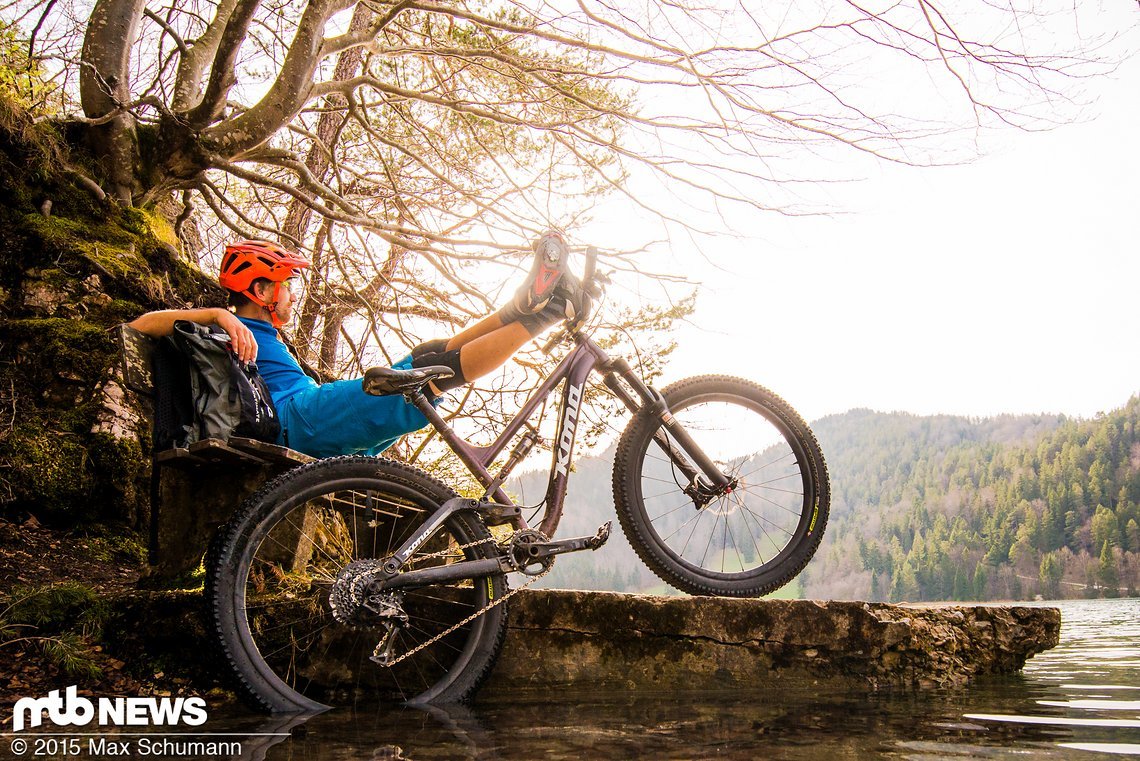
x,y
161,323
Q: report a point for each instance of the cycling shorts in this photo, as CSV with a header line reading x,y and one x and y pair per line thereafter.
x,y
339,418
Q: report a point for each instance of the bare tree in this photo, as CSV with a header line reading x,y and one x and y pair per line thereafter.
x,y
463,96
404,142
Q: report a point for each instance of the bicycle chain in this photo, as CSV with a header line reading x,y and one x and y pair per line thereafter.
x,y
471,617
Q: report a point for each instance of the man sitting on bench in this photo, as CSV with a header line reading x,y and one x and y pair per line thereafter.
x,y
325,420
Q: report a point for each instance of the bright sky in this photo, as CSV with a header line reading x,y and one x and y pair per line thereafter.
x,y
1006,285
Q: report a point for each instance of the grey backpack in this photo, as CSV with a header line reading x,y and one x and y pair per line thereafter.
x,y
203,391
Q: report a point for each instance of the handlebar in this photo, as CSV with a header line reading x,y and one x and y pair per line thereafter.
x,y
592,280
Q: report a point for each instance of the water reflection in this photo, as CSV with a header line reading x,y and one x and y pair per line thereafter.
x,y
761,724
1100,647
1077,701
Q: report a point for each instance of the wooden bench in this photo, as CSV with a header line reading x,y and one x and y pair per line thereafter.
x,y
196,488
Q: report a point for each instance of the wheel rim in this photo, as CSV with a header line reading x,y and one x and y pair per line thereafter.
x,y
284,619
739,535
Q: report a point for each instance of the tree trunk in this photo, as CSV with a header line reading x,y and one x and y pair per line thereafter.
x,y
328,127
104,91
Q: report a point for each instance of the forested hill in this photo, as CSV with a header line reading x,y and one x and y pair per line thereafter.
x,y
943,508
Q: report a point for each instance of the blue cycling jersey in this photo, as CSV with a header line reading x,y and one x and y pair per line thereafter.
x,y
277,365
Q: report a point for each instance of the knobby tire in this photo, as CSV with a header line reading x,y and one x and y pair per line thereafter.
x,y
744,544
268,580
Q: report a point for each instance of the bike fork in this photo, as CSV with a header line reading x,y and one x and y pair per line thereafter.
x,y
705,478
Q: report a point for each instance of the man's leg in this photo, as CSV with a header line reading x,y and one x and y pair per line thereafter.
x,y
486,345
489,324
549,296
489,351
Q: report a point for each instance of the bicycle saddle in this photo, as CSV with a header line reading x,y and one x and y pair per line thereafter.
x,y
382,381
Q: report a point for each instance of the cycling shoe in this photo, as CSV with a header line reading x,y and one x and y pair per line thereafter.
x,y
551,255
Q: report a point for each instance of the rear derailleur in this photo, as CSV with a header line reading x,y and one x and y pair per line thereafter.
x,y
352,604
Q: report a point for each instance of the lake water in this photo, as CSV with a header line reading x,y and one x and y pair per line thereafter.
x,y
1080,700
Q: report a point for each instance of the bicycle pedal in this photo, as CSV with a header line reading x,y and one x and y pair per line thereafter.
x,y
601,537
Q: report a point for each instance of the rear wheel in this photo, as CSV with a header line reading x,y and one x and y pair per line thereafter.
x,y
273,569
742,541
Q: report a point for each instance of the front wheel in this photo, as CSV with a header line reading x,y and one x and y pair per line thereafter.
x,y
276,573
743,540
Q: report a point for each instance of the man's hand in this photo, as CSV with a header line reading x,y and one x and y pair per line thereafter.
x,y
241,337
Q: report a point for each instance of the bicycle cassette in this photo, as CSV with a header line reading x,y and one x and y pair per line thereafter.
x,y
347,597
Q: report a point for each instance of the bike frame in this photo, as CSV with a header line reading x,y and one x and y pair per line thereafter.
x,y
585,358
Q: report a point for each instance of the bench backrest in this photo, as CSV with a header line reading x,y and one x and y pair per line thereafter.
x,y
137,352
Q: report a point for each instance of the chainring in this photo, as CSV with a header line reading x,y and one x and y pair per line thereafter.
x,y
519,556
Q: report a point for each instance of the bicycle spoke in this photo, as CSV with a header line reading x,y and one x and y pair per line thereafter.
x,y
776,504
770,463
696,517
755,544
763,530
682,506
709,544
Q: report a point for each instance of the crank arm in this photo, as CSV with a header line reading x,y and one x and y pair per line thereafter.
x,y
576,544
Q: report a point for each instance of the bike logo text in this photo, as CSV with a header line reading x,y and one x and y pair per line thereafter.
x,y
566,440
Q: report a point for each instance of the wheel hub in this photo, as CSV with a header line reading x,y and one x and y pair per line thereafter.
x,y
703,493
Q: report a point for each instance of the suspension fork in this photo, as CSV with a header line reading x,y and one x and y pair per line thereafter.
x,y
649,400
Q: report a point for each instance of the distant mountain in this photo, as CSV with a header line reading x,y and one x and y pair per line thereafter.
x,y
933,508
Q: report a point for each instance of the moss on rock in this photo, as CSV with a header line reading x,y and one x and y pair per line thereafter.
x,y
47,472
74,267
59,467
56,348
120,470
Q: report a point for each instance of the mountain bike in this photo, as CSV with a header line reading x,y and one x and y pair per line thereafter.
x,y
362,578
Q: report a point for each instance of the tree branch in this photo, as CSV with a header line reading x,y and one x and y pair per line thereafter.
x,y
222,71
188,89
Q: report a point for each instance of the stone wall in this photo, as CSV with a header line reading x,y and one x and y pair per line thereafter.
x,y
586,642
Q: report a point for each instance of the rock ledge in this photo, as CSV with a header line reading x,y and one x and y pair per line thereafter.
x,y
603,640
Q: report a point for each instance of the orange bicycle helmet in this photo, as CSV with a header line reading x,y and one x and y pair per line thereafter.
x,y
248,260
